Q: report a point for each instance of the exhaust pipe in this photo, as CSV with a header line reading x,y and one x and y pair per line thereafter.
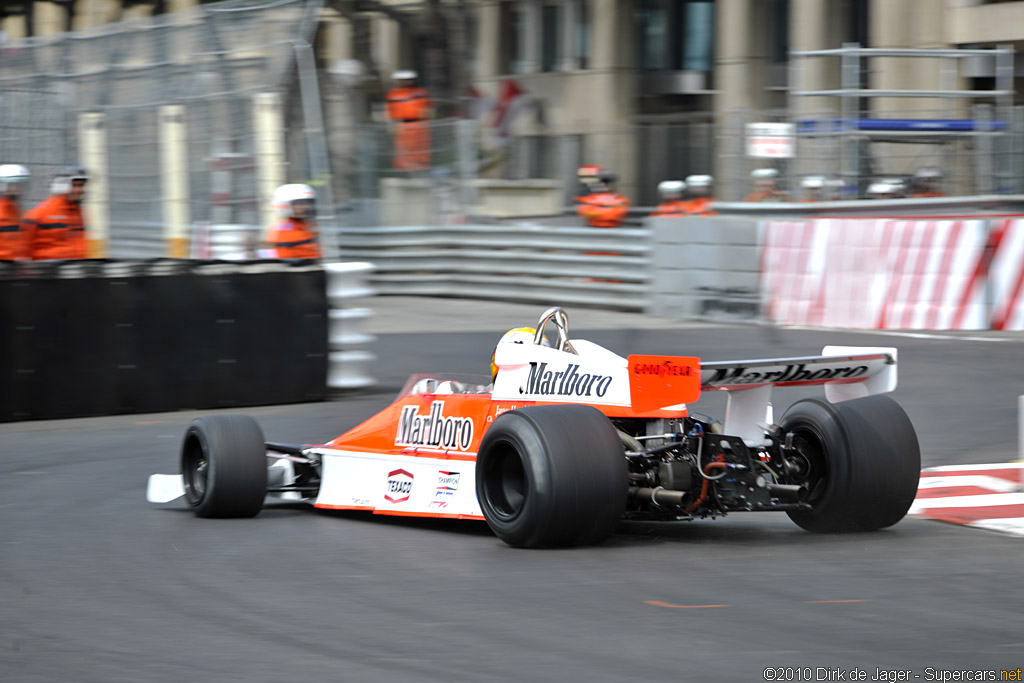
x,y
658,496
787,492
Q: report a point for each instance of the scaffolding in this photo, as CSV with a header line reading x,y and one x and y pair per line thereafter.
x,y
986,131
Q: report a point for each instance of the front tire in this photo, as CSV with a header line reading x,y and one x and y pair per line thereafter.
x,y
224,466
859,460
550,476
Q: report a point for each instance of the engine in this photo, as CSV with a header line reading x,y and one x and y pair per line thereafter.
x,y
687,468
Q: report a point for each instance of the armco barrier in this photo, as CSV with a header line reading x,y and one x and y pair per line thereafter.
x,y
349,362
959,274
84,338
607,267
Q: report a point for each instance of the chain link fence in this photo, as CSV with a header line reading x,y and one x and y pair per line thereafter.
x,y
211,61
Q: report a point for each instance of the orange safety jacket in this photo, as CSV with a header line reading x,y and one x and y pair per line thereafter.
x,y
12,238
676,207
928,193
766,196
700,206
294,239
54,229
603,209
408,104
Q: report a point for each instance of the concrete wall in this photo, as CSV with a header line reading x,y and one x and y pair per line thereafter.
x,y
705,268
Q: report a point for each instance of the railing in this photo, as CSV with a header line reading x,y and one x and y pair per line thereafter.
x,y
610,268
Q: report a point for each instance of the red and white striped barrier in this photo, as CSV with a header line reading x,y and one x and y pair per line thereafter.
x,y
948,274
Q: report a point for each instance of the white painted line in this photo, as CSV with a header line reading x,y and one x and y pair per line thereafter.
x,y
994,484
990,466
1010,525
968,501
909,335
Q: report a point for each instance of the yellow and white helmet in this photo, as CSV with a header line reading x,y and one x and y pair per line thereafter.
x,y
286,196
518,335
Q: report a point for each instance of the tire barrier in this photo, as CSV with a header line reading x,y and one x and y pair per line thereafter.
x,y
938,274
349,363
86,338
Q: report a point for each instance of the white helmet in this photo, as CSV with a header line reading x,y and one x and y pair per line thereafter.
x,y
671,188
699,184
814,182
61,183
13,175
404,75
764,174
285,197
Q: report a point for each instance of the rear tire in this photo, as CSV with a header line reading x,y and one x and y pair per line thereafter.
x,y
860,461
549,476
224,466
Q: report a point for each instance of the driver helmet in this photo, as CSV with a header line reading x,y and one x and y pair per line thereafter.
x,y
287,196
518,335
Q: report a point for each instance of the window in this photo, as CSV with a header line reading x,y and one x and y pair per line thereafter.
x,y
675,34
550,24
512,18
699,31
582,34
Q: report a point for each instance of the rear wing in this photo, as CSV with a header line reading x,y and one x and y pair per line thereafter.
x,y
847,372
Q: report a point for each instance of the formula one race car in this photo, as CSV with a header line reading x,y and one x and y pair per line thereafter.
x,y
572,438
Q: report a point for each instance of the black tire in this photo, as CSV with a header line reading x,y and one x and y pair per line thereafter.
x,y
224,466
550,476
860,461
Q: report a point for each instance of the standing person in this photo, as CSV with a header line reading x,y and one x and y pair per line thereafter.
x,y
13,179
294,235
604,207
671,193
700,200
765,186
55,228
409,109
814,188
925,183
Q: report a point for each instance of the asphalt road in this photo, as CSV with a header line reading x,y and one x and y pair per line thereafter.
x,y
97,585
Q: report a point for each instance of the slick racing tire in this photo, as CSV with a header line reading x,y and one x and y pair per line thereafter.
x,y
551,476
224,466
859,461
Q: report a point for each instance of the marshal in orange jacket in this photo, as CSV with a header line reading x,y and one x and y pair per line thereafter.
x,y
12,237
409,108
294,239
603,209
54,229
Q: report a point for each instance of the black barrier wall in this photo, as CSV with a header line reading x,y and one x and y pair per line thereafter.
x,y
84,338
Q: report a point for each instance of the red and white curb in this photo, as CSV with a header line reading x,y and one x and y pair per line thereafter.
x,y
984,496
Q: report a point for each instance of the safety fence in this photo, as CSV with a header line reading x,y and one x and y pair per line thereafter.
x,y
608,268
97,337
976,151
192,116
942,274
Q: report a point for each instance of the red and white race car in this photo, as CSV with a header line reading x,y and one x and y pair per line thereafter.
x,y
572,438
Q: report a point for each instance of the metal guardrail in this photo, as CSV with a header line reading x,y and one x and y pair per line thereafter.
x,y
609,267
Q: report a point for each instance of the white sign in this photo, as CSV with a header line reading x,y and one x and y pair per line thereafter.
x,y
771,140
